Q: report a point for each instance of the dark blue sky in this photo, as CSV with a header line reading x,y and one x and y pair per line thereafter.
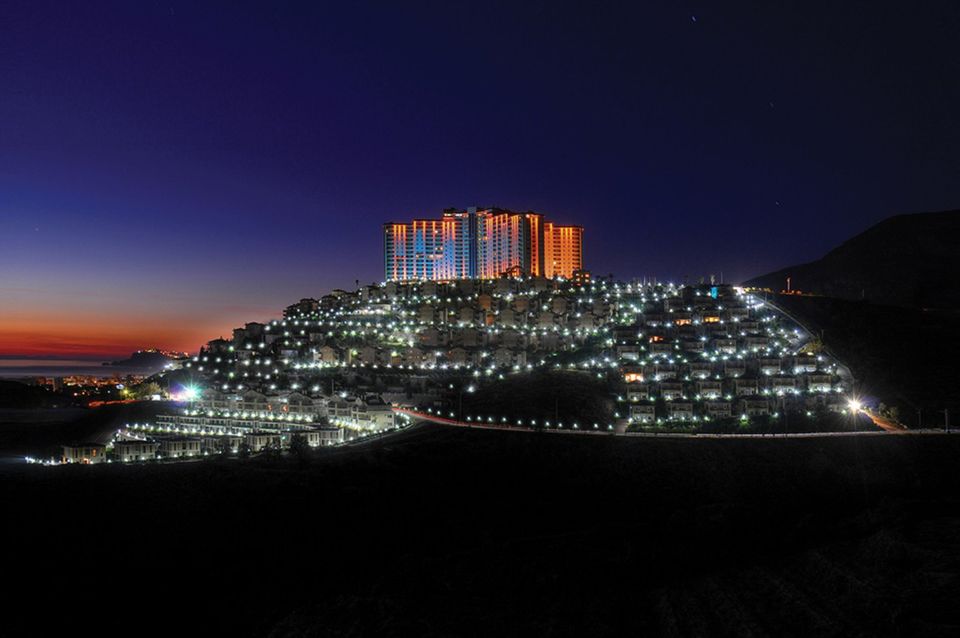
x,y
209,164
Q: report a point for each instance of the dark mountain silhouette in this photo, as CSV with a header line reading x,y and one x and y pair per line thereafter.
x,y
905,260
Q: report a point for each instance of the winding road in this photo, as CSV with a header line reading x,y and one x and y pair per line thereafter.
x,y
887,427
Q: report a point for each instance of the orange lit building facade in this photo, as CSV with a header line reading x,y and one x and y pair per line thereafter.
x,y
562,250
481,243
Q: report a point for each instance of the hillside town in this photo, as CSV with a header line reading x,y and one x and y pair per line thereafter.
x,y
339,367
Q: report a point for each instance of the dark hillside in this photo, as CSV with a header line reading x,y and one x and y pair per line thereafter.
x,y
906,260
905,357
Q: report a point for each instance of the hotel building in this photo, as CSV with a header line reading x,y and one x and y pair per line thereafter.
x,y
562,250
481,243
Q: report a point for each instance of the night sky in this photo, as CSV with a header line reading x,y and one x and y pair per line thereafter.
x,y
170,170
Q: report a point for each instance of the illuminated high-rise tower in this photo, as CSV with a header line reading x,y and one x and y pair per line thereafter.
x,y
480,242
563,250
414,250
504,243
462,241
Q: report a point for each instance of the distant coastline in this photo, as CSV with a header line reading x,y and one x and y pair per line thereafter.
x,y
140,363
27,368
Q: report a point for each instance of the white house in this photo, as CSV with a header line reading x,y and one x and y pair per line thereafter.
x,y
258,441
86,453
680,410
320,437
718,409
754,407
643,413
135,450
179,446
709,389
671,390
745,387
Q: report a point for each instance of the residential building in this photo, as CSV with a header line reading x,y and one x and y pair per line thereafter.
x,y
642,413
481,243
135,450
179,446
321,436
680,410
562,250
85,453
718,409
754,407
258,441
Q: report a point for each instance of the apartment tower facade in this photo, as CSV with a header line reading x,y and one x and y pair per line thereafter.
x,y
481,243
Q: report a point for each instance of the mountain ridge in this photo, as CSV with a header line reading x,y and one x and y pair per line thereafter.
x,y
909,260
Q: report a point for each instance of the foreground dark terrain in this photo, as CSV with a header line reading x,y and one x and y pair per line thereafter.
x,y
445,532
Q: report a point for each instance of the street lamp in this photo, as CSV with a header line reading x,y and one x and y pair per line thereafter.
x,y
854,405
469,388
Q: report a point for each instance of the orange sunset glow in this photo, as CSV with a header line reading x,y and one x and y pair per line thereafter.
x,y
48,337
88,336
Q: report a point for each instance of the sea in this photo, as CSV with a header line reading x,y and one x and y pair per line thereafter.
x,y
29,368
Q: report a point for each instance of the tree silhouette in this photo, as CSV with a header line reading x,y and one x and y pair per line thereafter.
x,y
299,447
